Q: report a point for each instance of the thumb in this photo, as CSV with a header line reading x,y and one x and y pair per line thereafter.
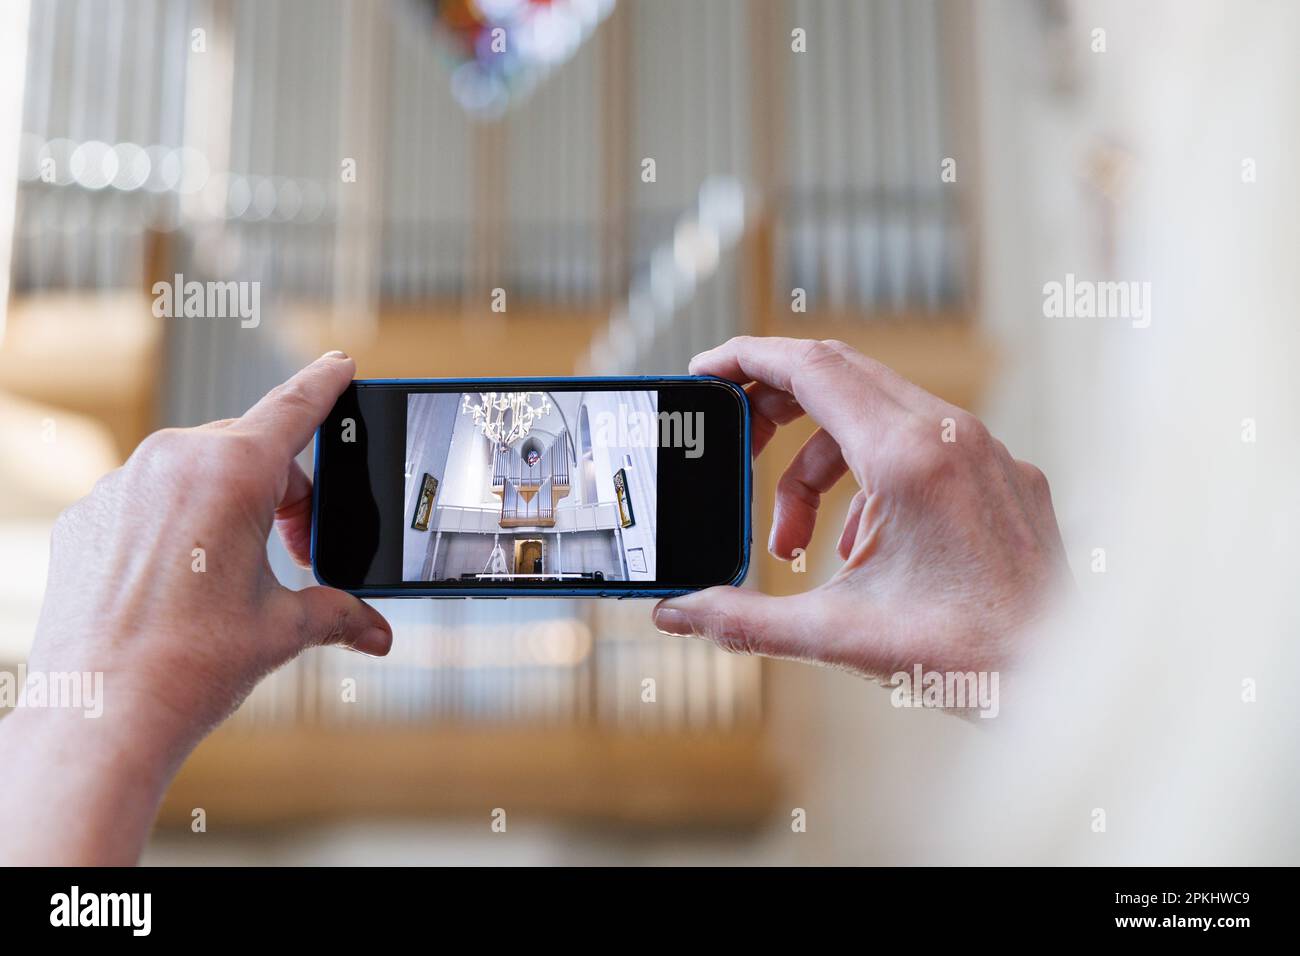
x,y
743,621
328,616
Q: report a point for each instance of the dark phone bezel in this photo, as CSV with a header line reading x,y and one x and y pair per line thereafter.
x,y
609,589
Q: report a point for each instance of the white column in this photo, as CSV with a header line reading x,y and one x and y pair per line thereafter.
x,y
622,552
433,565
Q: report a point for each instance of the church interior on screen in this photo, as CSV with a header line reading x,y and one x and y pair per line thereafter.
x,y
557,487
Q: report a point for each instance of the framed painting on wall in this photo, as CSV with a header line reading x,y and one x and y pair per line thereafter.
x,y
424,505
626,516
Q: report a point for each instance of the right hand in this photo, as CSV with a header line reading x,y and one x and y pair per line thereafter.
x,y
950,548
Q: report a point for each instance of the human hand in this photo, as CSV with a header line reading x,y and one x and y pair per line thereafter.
x,y
180,637
950,548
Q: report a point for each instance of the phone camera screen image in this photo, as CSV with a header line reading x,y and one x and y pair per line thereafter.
x,y
531,486
502,487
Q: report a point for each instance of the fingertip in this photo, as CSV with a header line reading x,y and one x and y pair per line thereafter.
x,y
324,616
286,418
789,534
295,536
335,358
376,619
672,621
373,642
773,548
783,554
705,363
685,615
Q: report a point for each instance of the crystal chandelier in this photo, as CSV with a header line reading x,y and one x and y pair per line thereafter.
x,y
500,50
506,417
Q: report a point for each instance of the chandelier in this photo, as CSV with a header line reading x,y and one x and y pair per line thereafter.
x,y
499,51
506,417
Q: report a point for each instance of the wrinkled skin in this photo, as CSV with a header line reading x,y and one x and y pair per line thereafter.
x,y
950,548
179,648
950,552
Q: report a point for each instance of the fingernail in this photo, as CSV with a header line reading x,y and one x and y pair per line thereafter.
x,y
373,642
335,354
669,620
772,549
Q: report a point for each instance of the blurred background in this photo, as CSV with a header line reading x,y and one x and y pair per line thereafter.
x,y
634,181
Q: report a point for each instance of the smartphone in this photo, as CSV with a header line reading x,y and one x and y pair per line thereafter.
x,y
600,487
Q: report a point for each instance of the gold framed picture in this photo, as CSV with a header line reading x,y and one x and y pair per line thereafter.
x,y
424,506
626,516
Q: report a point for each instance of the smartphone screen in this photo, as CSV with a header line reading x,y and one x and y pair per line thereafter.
x,y
500,487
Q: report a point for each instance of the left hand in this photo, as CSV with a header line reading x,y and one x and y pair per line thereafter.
x,y
159,580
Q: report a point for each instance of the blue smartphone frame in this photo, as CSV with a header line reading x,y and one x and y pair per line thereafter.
x,y
497,592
